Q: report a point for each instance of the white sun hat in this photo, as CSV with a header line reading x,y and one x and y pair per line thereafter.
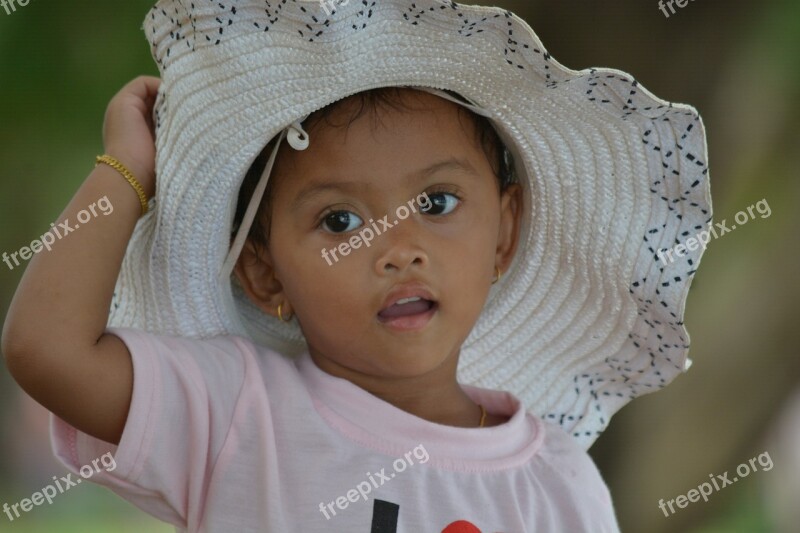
x,y
587,317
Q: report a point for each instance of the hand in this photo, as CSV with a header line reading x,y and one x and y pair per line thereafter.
x,y
129,132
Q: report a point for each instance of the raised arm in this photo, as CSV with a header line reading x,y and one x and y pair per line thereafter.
x,y
53,338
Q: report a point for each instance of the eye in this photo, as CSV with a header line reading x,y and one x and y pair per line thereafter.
x,y
441,203
341,221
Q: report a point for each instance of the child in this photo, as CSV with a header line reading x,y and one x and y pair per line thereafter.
x,y
351,212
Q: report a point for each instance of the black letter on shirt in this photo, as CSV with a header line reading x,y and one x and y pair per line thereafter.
x,y
384,517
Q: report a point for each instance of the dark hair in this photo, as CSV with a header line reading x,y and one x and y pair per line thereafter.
x,y
385,97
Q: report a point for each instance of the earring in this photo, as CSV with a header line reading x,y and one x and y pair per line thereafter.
x,y
498,275
280,313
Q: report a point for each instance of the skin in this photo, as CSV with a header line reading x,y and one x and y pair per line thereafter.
x,y
84,375
54,339
369,169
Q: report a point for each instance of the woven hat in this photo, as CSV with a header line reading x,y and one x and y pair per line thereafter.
x,y
587,317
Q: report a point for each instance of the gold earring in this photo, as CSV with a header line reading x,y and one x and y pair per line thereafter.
x,y
498,275
280,313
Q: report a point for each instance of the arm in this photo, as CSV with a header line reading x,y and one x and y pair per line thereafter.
x,y
53,338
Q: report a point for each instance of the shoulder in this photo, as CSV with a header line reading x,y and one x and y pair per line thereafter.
x,y
563,453
223,346
222,359
573,478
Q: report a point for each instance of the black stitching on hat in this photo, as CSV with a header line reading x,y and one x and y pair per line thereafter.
x,y
678,189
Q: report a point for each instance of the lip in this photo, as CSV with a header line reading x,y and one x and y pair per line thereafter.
x,y
406,290
412,322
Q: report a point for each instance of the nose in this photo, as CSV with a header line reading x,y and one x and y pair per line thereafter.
x,y
402,248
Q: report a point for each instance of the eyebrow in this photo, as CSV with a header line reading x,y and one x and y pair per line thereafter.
x,y
316,188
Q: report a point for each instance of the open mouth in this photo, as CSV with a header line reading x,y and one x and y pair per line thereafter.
x,y
408,313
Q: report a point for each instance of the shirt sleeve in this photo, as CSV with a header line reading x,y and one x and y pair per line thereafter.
x,y
185,393
575,485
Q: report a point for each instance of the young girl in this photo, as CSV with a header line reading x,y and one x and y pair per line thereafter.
x,y
400,270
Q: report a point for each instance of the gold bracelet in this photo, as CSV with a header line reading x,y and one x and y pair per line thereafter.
x,y
119,167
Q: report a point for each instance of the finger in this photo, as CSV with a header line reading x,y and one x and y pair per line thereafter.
x,y
152,84
143,87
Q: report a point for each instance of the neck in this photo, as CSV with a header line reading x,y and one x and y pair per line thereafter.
x,y
435,396
449,406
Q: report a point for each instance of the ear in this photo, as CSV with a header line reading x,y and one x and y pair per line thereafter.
x,y
255,273
510,223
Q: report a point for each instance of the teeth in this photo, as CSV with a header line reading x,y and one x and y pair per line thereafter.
x,y
408,300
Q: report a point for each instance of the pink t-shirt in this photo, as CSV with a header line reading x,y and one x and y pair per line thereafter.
x,y
227,436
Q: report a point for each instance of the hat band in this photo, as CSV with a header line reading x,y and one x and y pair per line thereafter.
x,y
299,140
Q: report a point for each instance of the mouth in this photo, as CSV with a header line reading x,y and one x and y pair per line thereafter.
x,y
408,308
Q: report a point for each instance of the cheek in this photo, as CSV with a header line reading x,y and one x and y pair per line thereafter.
x,y
467,255
320,293
331,314
472,241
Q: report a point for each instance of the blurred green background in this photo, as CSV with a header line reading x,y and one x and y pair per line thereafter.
x,y
737,62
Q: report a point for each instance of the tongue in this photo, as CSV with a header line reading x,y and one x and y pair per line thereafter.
x,y
412,308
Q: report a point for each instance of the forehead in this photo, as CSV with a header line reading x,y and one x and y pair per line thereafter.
x,y
394,126
376,102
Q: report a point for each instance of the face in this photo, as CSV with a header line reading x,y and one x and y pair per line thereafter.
x,y
400,302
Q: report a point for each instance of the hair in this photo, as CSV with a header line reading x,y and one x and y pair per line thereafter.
x,y
496,152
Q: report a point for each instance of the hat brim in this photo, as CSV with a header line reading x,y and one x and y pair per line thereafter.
x,y
587,317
